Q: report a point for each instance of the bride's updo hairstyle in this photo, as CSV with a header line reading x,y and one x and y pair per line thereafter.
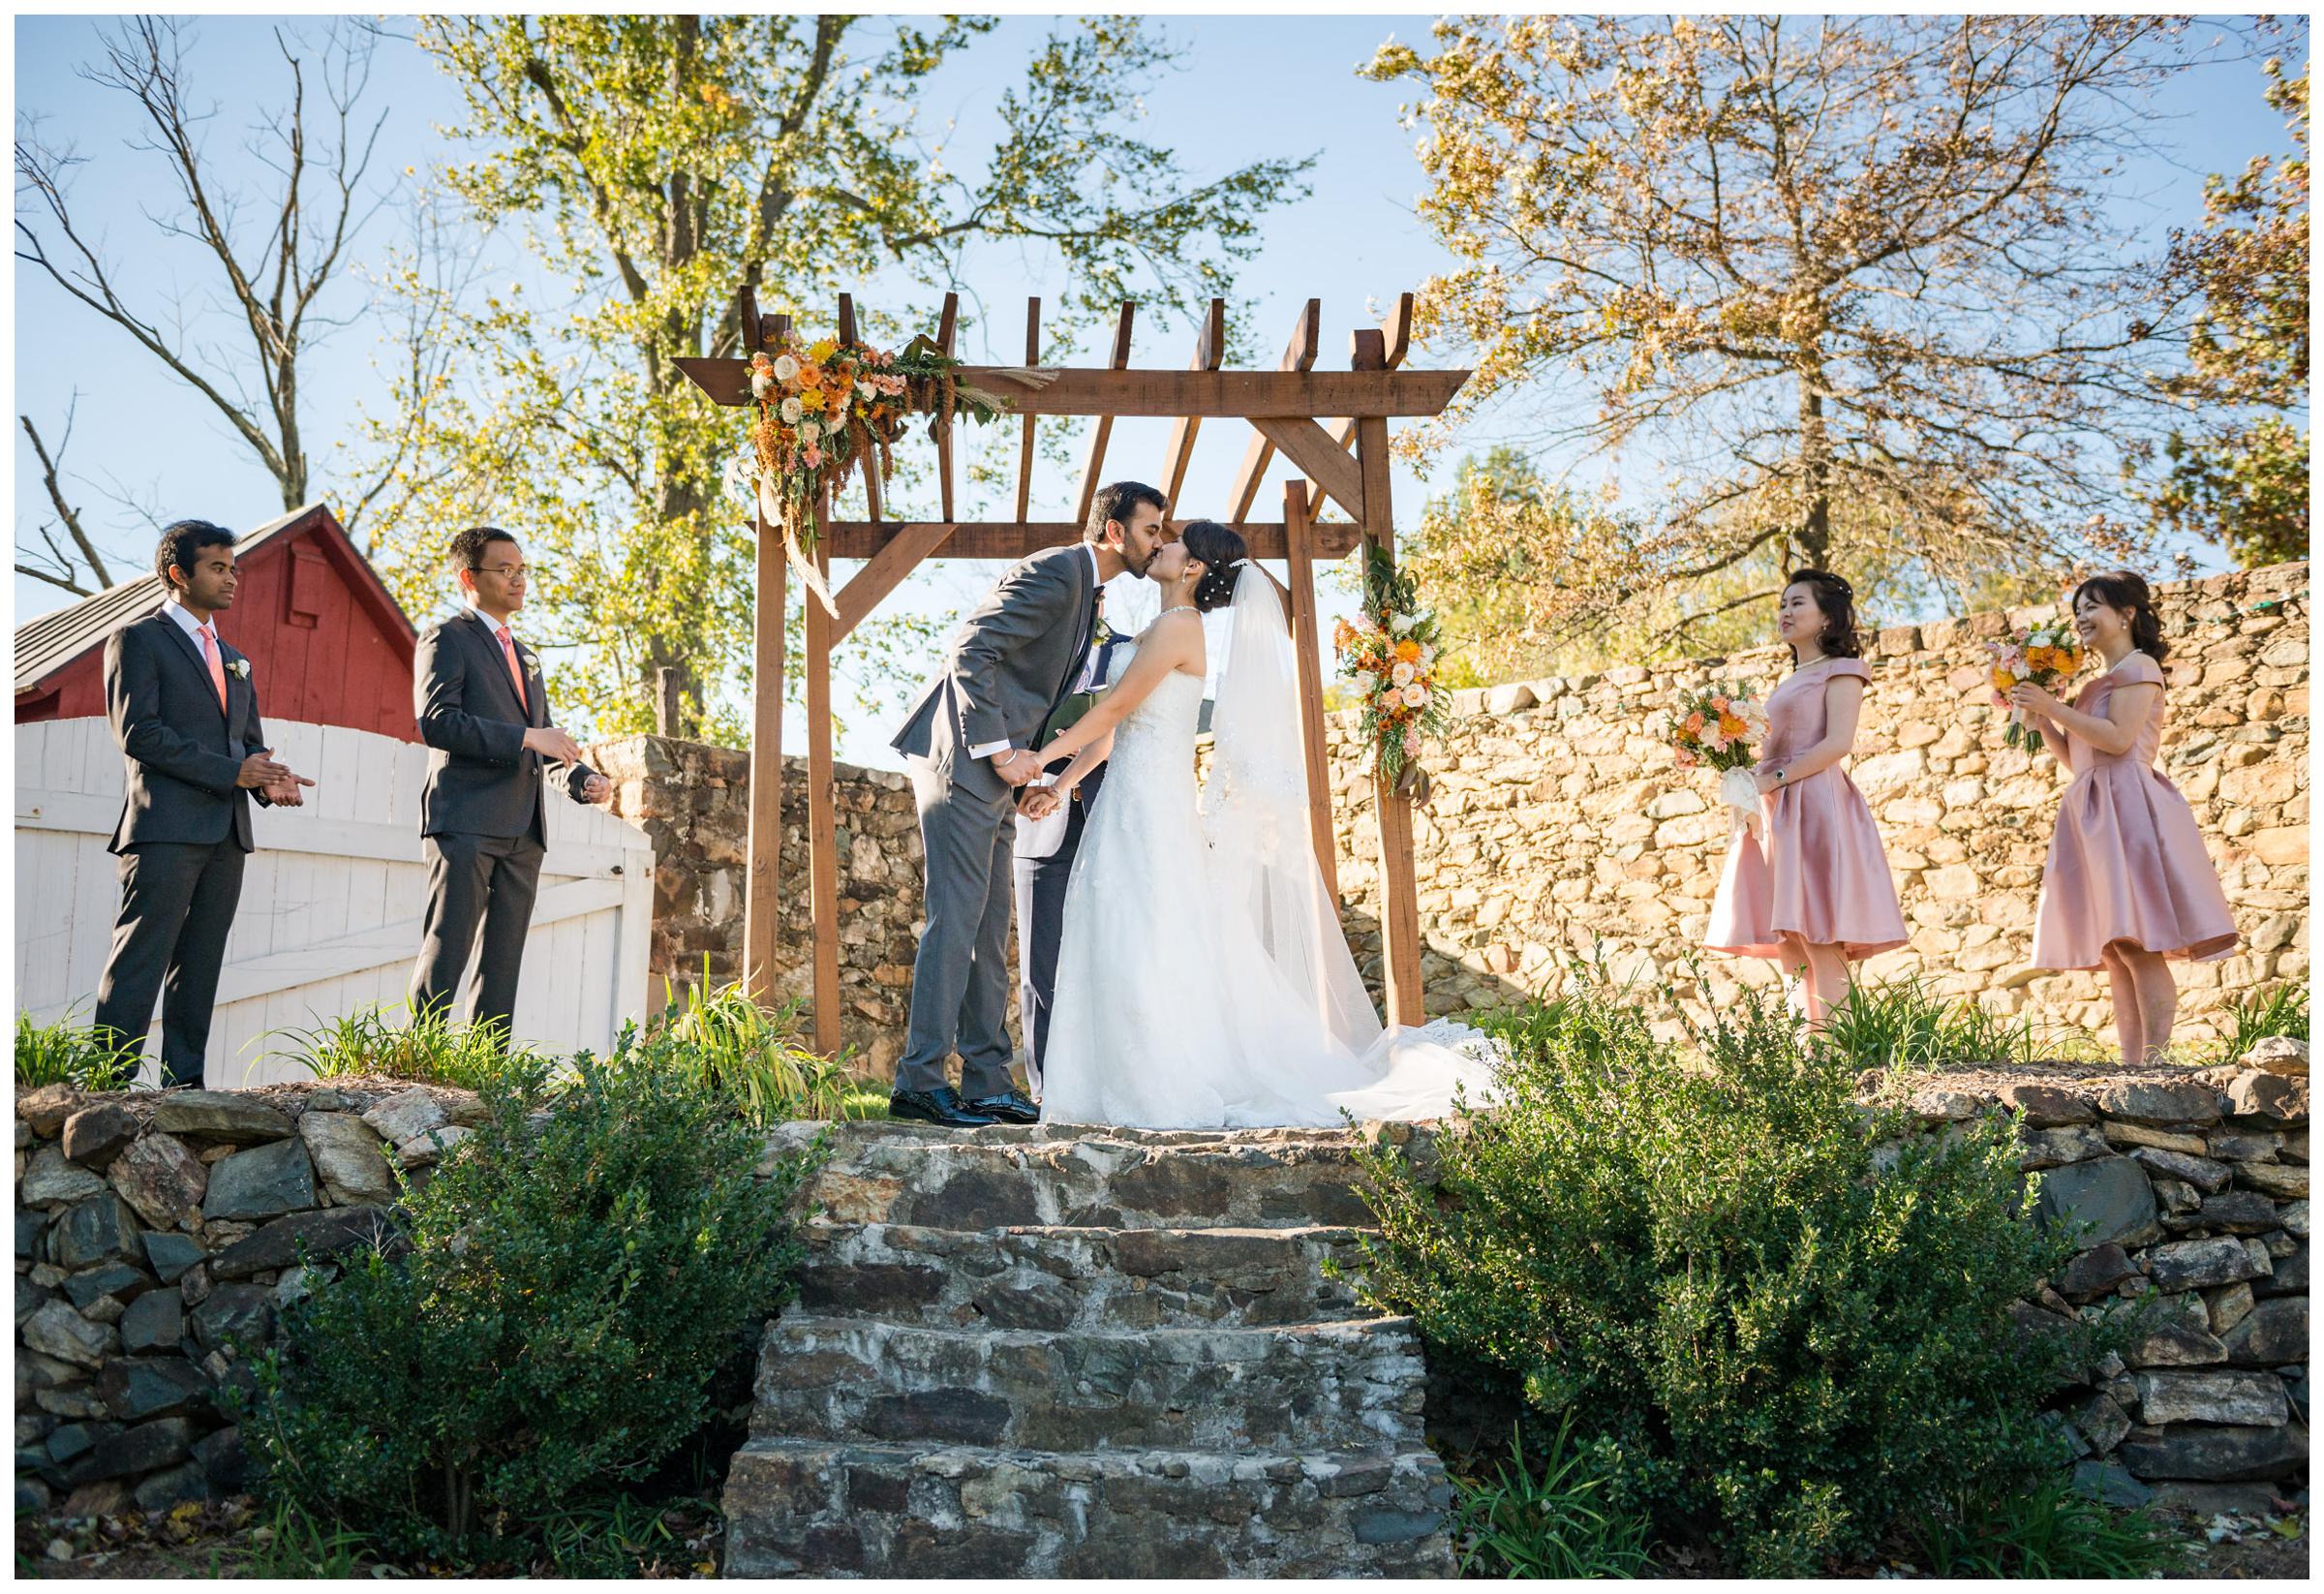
x,y
1221,551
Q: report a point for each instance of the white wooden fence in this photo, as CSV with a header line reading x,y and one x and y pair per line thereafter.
x,y
331,899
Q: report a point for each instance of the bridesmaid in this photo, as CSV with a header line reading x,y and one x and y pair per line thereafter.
x,y
1814,892
2128,883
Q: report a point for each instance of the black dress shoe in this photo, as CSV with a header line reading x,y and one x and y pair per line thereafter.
x,y
942,1105
1009,1106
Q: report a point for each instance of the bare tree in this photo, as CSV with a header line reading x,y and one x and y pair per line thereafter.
x,y
79,568
274,268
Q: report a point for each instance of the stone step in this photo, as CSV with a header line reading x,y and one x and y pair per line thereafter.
x,y
1079,1279
806,1507
1063,1175
1315,1387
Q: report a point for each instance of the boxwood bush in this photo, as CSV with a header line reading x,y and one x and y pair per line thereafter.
x,y
1787,1314
572,1279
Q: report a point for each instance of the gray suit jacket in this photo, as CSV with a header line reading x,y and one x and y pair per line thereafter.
x,y
183,754
482,780
1007,669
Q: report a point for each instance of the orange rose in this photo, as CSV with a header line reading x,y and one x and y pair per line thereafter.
x,y
2003,680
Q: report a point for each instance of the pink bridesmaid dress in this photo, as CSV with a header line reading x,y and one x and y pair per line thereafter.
x,y
2126,863
1818,872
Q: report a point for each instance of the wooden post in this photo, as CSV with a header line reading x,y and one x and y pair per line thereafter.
x,y
1305,641
762,889
1032,356
1399,899
822,822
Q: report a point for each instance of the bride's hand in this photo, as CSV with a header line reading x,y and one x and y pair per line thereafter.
x,y
1039,803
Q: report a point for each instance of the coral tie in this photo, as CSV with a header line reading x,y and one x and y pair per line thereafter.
x,y
209,654
515,672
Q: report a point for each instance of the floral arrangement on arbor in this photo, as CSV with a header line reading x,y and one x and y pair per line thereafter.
x,y
826,409
1388,654
1717,727
2047,656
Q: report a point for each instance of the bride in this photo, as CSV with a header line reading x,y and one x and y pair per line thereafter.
x,y
1202,977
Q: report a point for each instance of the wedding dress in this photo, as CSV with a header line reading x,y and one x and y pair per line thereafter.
x,y
1202,980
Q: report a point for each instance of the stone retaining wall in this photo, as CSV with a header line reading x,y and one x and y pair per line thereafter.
x,y
1559,824
157,1236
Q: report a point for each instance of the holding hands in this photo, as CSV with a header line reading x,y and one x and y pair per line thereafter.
x,y
1016,766
1040,802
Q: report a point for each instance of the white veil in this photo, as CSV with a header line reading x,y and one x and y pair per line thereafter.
x,y
1254,809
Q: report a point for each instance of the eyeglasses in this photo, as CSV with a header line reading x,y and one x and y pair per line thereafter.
x,y
515,573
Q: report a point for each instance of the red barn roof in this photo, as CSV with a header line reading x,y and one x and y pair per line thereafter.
x,y
327,643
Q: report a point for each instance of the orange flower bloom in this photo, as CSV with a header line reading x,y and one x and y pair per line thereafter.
x,y
1408,652
2003,680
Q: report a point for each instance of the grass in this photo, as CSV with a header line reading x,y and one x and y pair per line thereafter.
x,y
2256,1015
754,1056
1553,1520
2047,1530
385,1039
1901,1023
66,1053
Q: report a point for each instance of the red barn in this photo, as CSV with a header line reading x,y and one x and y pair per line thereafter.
x,y
328,642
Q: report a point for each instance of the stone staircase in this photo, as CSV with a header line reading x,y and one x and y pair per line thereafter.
x,y
1049,1352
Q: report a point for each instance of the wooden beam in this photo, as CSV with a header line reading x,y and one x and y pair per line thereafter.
x,y
1105,421
868,469
1306,641
945,326
1311,449
1396,337
762,886
1078,390
1399,894
1210,353
1299,355
895,559
822,824
1014,539
1024,458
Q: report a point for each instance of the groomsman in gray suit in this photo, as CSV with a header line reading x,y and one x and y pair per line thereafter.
x,y
185,715
483,710
970,744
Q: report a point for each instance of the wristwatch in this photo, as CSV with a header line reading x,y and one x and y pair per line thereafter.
x,y
1779,777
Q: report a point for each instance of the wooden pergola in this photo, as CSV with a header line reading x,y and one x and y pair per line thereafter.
x,y
1332,425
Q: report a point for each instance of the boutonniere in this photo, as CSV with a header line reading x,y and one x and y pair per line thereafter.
x,y
530,659
241,667
1102,637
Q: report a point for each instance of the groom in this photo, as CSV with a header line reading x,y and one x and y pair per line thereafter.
x,y
968,744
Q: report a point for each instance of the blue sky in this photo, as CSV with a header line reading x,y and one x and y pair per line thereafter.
x,y
1250,86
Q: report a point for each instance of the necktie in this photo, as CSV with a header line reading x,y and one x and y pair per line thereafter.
x,y
516,671
209,656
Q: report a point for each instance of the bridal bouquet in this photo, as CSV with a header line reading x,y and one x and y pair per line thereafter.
x,y
1388,654
1716,727
2046,656
827,408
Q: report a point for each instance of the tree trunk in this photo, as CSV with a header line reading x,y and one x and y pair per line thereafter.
x,y
1815,469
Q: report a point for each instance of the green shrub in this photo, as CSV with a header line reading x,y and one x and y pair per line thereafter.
x,y
751,1054
1791,1312
65,1053
385,1039
2046,1530
2256,1015
578,1271
1562,1522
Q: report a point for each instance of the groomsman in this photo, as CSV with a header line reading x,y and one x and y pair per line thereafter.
x,y
185,715
484,709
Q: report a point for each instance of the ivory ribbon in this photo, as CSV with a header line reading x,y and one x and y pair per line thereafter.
x,y
1739,789
771,512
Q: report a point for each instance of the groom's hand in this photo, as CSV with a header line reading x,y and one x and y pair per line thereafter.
x,y
1016,766
1039,803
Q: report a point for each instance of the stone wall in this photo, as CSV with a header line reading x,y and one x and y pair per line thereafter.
x,y
156,1237
1560,824
1559,821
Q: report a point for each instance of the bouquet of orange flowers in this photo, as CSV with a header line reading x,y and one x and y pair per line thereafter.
x,y
1389,655
1716,727
2045,655
826,409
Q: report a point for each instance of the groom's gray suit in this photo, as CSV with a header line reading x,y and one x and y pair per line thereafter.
x,y
1007,669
